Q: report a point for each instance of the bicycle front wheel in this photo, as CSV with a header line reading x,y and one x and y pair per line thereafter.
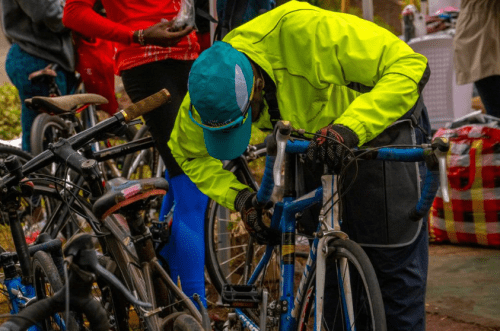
x,y
352,297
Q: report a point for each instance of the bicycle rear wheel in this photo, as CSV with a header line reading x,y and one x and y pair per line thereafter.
x,y
142,164
353,300
47,129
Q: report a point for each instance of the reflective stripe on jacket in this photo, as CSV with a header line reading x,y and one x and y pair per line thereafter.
x,y
320,61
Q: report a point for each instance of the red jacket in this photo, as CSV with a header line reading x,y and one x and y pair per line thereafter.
x,y
123,18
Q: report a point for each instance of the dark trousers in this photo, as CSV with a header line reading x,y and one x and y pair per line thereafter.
x,y
402,265
145,80
489,91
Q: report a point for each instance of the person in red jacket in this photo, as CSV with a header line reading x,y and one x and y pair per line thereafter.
x,y
149,56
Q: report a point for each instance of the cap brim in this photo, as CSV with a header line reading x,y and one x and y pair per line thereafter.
x,y
229,144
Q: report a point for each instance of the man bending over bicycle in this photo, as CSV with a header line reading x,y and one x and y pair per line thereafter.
x,y
345,79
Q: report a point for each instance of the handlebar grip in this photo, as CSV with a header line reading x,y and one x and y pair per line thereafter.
x,y
297,146
146,105
431,185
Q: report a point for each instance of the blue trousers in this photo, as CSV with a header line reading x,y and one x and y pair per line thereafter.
x,y
19,65
185,251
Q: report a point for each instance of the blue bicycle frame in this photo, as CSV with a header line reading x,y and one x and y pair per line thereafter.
x,y
284,220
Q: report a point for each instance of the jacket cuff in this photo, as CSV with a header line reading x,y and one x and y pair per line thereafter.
x,y
351,139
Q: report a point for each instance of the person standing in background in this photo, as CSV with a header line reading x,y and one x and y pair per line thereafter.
x,y
38,39
477,50
95,64
150,56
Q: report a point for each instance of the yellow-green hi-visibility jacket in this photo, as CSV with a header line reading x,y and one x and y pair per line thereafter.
x,y
316,59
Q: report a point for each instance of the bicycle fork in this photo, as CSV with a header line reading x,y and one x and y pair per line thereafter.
x,y
330,231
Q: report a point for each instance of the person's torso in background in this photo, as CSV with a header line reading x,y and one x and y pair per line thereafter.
x,y
39,30
141,14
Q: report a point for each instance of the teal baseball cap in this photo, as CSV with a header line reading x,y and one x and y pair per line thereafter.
x,y
220,86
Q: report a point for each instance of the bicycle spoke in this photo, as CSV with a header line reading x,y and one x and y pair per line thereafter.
x,y
233,258
228,248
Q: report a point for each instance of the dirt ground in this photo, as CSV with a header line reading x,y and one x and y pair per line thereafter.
x,y
439,322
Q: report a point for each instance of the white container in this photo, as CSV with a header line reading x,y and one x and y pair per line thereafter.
x,y
445,100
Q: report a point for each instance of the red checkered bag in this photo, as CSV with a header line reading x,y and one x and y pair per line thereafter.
x,y
473,213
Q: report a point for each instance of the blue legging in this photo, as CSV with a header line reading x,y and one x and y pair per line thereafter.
x,y
185,251
19,65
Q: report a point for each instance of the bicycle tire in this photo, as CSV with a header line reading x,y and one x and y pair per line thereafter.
x,y
6,150
368,307
187,322
226,239
47,129
47,281
142,164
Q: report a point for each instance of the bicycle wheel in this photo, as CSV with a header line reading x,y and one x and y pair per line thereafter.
x,y
230,252
47,281
357,306
47,129
142,164
187,322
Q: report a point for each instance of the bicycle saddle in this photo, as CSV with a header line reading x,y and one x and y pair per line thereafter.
x,y
64,104
42,75
123,192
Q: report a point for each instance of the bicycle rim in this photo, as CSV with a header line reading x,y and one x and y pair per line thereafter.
x,y
353,300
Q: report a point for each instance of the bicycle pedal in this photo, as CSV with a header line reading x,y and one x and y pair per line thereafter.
x,y
240,296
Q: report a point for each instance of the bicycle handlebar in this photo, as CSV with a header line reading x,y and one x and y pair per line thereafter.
x,y
433,179
146,105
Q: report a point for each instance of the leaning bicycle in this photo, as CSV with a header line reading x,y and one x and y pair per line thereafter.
x,y
127,246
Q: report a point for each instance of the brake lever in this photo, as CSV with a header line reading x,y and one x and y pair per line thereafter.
x,y
441,146
282,135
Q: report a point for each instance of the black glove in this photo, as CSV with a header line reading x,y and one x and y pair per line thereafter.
x,y
252,218
326,146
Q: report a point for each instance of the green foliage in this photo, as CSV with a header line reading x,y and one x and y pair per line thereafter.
x,y
10,106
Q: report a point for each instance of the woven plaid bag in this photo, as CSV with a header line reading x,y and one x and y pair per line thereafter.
x,y
473,213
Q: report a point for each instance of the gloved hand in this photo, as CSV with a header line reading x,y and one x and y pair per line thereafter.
x,y
252,218
326,146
